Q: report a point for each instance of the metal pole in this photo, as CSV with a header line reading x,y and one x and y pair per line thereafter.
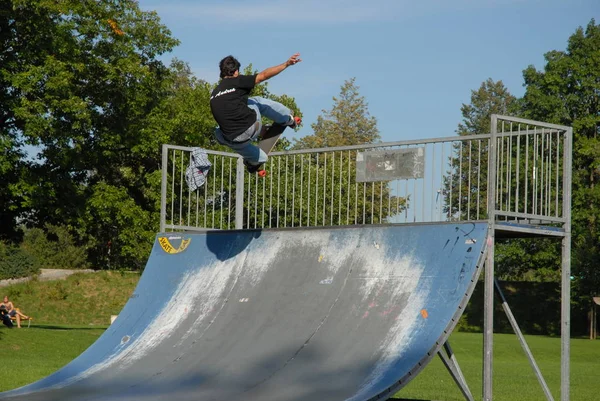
x,y
163,189
566,271
239,194
523,342
488,324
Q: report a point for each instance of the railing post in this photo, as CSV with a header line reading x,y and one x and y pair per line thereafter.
x,y
163,189
239,195
566,269
488,324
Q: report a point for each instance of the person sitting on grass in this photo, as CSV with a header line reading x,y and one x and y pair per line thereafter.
x,y
12,312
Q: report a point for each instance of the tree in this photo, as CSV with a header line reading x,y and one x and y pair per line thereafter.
x,y
347,123
79,80
567,92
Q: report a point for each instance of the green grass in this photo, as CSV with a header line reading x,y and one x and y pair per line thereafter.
x,y
513,376
81,299
70,315
32,353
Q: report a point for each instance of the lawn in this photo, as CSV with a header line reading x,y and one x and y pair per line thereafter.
x,y
31,354
70,315
513,376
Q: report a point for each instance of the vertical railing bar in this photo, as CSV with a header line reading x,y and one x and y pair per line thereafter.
x,y
415,200
181,219
214,195
189,202
308,192
317,191
173,189
286,191
425,171
406,200
501,176
332,187
432,209
255,200
355,192
478,176
452,166
294,191
498,172
542,189
509,170
248,198
526,210
381,204
271,166
518,183
557,171
397,198
460,179
348,191
535,171
340,184
373,202
549,174
324,185
301,187
389,209
364,203
197,193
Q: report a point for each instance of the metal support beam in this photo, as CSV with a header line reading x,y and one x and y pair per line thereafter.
x,y
488,317
451,364
524,345
163,189
565,335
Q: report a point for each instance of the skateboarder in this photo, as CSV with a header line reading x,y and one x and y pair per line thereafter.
x,y
239,117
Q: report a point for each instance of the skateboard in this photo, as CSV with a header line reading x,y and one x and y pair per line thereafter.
x,y
268,140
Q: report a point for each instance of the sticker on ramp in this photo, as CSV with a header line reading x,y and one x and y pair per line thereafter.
x,y
173,248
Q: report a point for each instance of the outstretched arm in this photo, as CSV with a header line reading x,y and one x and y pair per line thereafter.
x,y
272,71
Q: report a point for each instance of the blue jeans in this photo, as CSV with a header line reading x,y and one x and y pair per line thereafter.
x,y
251,153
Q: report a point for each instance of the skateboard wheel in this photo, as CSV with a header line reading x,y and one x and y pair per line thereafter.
x,y
262,173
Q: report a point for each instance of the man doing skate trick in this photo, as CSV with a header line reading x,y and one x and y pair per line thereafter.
x,y
239,116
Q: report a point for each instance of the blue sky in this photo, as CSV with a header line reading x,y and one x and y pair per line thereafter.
x,y
415,61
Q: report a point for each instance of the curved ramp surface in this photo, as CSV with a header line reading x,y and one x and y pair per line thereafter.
x,y
287,315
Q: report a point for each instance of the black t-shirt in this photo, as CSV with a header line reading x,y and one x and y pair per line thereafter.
x,y
229,105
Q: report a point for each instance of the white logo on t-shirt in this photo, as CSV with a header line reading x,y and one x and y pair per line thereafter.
x,y
226,91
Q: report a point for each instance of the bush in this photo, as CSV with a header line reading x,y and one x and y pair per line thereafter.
x,y
16,262
54,248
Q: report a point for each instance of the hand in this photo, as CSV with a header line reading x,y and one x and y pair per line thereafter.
x,y
293,60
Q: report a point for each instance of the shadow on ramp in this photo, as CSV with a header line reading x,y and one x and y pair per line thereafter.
x,y
348,313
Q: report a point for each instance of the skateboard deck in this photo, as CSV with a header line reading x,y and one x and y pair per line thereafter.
x,y
268,140
270,137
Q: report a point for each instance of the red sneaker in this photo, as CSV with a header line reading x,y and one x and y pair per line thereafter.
x,y
294,122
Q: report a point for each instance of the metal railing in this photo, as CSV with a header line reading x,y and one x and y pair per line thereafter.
x,y
319,187
531,170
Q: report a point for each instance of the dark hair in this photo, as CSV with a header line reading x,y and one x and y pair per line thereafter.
x,y
228,66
